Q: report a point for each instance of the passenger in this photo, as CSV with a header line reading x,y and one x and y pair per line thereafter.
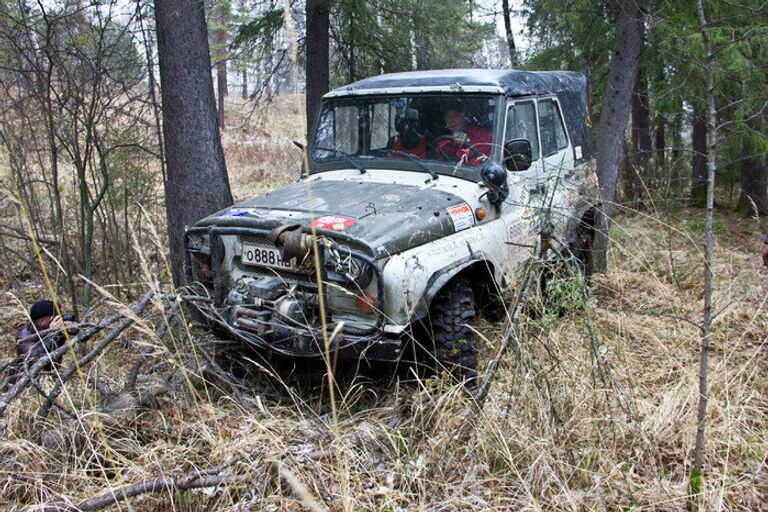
x,y
468,144
409,139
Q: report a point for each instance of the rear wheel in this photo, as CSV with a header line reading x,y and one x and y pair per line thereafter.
x,y
453,341
582,246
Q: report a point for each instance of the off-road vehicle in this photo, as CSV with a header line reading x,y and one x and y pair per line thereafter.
x,y
421,195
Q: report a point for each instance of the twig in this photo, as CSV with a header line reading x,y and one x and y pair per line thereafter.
x,y
133,373
90,356
512,333
82,336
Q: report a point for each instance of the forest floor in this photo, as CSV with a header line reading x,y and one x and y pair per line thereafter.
x,y
595,410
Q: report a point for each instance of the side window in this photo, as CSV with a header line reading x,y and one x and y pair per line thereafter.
x,y
553,137
521,124
338,129
380,125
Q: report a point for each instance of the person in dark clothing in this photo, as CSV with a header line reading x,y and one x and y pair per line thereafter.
x,y
408,139
31,344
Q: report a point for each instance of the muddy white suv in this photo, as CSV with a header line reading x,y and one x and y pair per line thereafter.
x,y
422,194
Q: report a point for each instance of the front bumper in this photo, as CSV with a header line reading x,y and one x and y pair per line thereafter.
x,y
282,319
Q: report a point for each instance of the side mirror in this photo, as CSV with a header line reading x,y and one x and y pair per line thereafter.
x,y
517,154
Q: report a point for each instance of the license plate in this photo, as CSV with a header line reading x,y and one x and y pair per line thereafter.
x,y
265,257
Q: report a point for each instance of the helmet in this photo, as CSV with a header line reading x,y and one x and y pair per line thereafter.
x,y
407,126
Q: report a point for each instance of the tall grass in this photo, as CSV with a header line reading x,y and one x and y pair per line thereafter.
x,y
596,410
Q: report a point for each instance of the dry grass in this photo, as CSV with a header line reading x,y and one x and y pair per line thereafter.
x,y
578,419
258,143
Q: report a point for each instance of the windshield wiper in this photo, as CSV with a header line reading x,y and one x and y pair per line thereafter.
x,y
346,156
412,158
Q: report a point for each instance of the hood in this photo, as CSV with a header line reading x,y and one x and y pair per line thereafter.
x,y
388,218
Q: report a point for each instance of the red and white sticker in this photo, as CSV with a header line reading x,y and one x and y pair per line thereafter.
x,y
333,223
462,216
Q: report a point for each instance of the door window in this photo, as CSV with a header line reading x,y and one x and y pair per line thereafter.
x,y
553,137
521,124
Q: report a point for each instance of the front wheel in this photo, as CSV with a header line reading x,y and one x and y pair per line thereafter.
x,y
454,347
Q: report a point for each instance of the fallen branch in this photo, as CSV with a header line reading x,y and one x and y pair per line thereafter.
x,y
169,484
25,379
199,478
90,356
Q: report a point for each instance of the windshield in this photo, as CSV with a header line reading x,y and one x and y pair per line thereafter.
x,y
449,130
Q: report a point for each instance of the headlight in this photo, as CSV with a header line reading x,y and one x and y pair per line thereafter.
x,y
345,269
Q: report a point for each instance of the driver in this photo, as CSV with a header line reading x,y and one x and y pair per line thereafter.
x,y
469,143
408,139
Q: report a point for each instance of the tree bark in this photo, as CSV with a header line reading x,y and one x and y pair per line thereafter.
x,y
696,478
221,59
614,116
197,182
641,139
245,80
698,197
660,140
510,37
317,74
421,36
753,179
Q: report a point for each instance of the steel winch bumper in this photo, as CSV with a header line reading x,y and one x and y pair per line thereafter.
x,y
269,315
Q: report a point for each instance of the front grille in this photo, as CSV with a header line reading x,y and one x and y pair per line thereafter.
x,y
256,240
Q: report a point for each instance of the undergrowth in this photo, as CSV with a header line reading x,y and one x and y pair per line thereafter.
x,y
593,409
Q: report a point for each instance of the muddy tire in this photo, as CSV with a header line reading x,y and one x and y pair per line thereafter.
x,y
582,246
454,347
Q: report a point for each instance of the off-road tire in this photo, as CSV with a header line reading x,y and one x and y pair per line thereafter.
x,y
454,347
582,246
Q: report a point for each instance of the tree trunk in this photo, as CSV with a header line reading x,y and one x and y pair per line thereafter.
x,y
221,59
613,119
661,140
352,76
641,140
698,197
245,80
317,74
753,179
197,182
696,478
677,138
510,37
421,38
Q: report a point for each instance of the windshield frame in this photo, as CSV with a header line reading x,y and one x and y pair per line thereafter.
x,y
382,162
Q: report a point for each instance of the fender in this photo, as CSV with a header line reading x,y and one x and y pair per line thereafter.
x,y
442,277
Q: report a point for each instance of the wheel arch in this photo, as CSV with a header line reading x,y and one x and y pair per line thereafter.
x,y
480,272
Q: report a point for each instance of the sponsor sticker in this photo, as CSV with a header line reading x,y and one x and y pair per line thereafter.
x,y
333,222
236,212
462,216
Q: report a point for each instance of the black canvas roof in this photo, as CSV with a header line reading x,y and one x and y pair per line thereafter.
x,y
509,82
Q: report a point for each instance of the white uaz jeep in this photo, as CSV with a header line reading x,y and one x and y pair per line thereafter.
x,y
421,197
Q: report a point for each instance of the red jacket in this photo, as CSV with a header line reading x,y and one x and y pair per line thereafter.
x,y
477,137
419,150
